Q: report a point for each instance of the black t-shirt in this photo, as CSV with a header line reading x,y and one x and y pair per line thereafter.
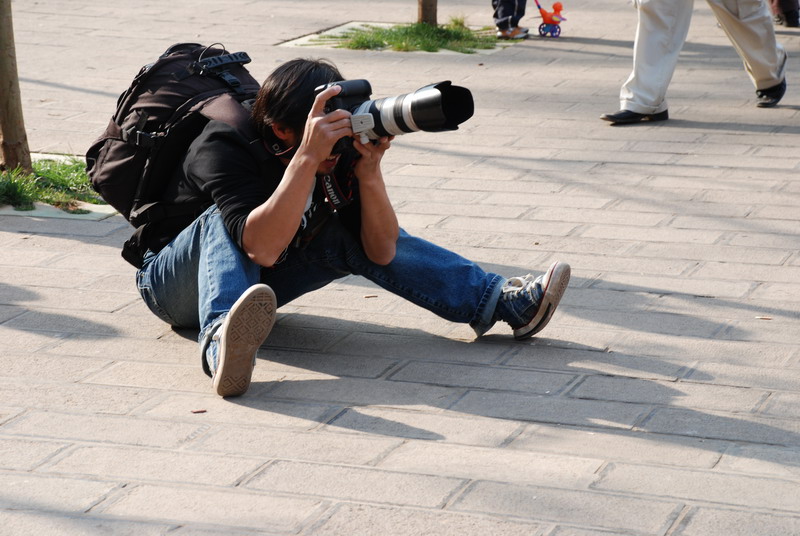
x,y
223,167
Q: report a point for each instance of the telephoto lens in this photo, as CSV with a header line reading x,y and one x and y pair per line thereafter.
x,y
433,108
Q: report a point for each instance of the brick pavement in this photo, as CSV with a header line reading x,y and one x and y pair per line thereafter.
x,y
662,400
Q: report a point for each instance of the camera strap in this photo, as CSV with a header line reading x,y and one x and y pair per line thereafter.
x,y
334,193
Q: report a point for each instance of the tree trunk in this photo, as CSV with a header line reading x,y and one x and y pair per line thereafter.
x,y
13,140
427,12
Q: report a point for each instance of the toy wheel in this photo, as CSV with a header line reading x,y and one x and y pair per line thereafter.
x,y
543,29
556,31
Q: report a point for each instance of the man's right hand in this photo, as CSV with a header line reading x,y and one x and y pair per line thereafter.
x,y
323,130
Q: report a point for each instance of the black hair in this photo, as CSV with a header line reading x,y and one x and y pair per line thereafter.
x,y
286,96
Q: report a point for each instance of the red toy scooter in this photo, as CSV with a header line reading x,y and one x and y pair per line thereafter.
x,y
551,20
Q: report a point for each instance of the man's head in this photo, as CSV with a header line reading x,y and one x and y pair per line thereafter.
x,y
286,96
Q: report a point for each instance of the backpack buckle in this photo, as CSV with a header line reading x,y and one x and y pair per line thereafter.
x,y
144,139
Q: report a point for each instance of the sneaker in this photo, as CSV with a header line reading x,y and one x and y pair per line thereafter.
x,y
527,304
767,98
231,355
513,33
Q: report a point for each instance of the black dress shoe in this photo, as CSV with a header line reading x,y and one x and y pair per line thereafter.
x,y
626,116
767,98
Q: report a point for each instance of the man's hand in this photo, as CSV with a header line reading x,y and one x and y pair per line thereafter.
x,y
323,130
369,165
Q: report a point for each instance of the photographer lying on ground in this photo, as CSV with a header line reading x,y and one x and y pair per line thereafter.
x,y
269,235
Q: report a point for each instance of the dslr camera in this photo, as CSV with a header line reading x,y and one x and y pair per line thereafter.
x,y
433,108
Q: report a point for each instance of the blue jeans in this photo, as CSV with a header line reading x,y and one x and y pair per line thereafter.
x,y
196,278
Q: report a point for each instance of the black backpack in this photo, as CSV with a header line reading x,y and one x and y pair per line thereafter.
x,y
165,108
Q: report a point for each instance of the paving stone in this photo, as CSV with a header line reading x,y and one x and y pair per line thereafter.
x,y
323,331
616,445
154,376
252,410
699,396
128,349
740,353
723,522
655,322
363,392
582,507
506,379
99,399
154,465
784,405
516,227
762,460
83,322
27,523
700,486
596,362
729,310
418,348
53,368
236,509
758,377
25,256
690,287
504,465
754,272
548,200
624,264
108,429
445,427
550,409
24,454
111,263
296,362
49,493
706,252
363,520
778,292
55,298
728,426
652,235
315,447
765,240
571,531
37,277
356,483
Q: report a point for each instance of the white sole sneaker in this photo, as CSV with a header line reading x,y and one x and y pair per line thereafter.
x,y
245,328
554,284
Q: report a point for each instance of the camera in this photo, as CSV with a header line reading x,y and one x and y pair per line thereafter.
x,y
433,108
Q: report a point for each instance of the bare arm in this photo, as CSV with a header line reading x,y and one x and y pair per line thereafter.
x,y
379,227
271,226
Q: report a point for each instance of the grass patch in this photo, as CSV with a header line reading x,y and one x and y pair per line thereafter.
x,y
55,182
452,36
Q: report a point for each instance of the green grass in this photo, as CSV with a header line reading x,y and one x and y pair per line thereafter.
x,y
55,182
453,36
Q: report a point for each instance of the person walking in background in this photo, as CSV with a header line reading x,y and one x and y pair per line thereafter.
x,y
507,14
786,12
661,31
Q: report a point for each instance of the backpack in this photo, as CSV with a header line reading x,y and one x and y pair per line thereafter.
x,y
165,108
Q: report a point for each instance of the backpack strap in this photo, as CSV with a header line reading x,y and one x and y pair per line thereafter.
x,y
223,108
227,109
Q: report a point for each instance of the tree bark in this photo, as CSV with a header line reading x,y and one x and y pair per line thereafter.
x,y
427,12
13,140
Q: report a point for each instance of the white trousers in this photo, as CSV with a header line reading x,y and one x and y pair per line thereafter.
x,y
661,32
